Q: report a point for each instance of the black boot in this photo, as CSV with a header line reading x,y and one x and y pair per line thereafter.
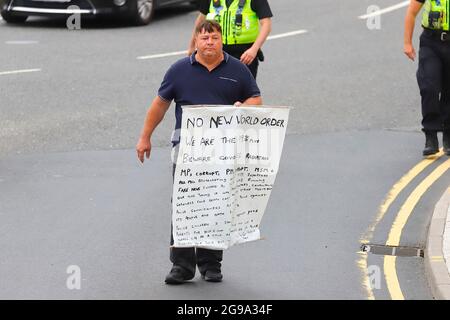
x,y
446,142
431,143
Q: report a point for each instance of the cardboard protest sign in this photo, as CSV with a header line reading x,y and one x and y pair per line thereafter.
x,y
226,166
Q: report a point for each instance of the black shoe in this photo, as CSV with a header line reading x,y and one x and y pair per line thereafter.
x,y
212,276
446,142
431,143
178,275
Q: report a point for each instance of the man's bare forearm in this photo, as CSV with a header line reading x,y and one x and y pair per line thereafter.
x,y
410,19
253,101
409,27
266,28
154,116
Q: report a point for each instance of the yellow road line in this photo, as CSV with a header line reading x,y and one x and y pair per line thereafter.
x,y
389,199
437,259
400,222
395,191
390,273
362,264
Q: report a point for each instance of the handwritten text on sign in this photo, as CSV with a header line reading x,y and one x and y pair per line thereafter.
x,y
227,163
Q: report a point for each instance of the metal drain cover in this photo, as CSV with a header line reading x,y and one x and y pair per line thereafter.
x,y
399,251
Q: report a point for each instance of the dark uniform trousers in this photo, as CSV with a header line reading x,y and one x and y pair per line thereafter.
x,y
237,53
188,258
433,77
253,67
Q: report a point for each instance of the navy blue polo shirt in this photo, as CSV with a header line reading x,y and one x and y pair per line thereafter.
x,y
188,82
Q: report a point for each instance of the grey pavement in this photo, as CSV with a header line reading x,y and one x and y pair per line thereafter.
x,y
95,92
110,216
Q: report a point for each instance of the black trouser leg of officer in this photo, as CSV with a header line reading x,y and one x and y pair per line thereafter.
x,y
237,53
433,78
188,258
253,67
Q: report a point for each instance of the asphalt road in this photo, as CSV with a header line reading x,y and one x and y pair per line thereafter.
x,y
73,193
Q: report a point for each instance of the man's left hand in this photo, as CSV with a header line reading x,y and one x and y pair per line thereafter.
x,y
249,55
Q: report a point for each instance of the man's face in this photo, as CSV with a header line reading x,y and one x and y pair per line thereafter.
x,y
209,44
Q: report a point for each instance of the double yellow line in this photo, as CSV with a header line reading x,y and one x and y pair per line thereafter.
x,y
400,221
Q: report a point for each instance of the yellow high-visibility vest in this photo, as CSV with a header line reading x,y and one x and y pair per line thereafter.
x,y
240,24
436,15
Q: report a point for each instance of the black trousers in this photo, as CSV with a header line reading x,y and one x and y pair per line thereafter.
x,y
253,67
188,258
433,77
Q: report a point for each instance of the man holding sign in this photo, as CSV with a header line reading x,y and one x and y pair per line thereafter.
x,y
208,76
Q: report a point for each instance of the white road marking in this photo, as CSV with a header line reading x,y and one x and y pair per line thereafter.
x,y
287,34
44,10
184,52
386,10
162,55
21,42
2,73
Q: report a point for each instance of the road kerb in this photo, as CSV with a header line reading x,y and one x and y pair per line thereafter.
x,y
435,266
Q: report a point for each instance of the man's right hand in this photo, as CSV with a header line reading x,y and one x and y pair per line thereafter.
x,y
143,146
408,49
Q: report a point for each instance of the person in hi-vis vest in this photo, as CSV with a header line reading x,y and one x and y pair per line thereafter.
x,y
433,74
246,24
